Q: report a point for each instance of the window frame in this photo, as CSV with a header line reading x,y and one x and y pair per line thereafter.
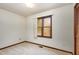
x,y
42,30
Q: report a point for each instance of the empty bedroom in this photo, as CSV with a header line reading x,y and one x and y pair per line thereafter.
x,y
37,29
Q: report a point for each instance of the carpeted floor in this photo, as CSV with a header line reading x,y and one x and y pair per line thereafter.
x,y
30,49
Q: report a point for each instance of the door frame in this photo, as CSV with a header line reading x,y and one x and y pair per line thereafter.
x,y
75,26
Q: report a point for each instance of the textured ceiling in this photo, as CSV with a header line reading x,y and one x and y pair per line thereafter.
x,y
22,9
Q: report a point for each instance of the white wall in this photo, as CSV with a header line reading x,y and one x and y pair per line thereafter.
x,y
12,27
62,28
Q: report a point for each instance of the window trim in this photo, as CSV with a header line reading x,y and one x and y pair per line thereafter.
x,y
43,26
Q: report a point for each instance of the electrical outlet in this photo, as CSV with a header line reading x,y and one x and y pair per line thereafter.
x,y
19,38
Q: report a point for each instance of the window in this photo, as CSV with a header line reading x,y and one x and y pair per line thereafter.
x,y
44,26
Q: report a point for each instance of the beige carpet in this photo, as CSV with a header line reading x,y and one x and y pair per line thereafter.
x,y
30,49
